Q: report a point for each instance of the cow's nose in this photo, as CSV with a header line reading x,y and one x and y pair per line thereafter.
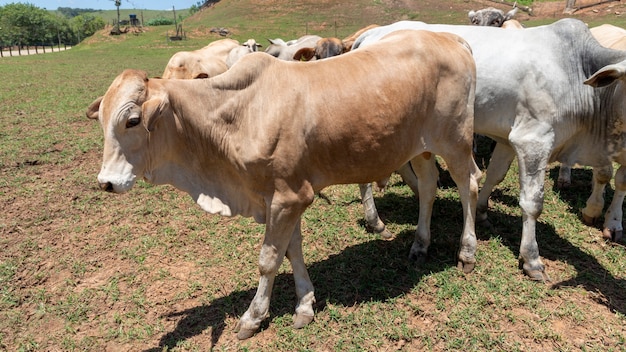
x,y
106,186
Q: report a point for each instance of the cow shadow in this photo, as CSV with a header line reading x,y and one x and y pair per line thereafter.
x,y
379,270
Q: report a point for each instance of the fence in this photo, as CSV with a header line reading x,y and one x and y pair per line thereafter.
x,y
31,49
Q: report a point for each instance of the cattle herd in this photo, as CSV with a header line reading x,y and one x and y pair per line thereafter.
x,y
260,134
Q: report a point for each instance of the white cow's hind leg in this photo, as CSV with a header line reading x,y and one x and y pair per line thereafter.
x,y
371,214
533,150
595,203
427,174
499,165
369,207
613,229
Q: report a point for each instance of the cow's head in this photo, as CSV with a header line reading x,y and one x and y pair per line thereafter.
x,y
127,113
490,16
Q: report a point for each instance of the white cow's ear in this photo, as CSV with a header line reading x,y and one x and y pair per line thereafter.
x,y
152,109
93,111
607,75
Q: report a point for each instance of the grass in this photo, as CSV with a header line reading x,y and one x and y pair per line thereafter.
x,y
84,270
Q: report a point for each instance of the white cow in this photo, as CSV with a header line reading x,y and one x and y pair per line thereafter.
x,y
255,141
249,46
549,93
287,50
491,16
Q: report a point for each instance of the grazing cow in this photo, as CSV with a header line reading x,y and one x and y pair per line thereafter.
x,y
257,142
206,62
286,50
237,53
329,47
491,17
549,93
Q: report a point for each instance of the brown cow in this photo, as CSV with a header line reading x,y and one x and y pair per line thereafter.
x,y
329,47
255,141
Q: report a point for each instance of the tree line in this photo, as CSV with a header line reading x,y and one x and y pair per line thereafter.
x,y
25,24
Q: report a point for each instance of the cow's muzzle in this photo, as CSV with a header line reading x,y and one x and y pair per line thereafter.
x,y
106,186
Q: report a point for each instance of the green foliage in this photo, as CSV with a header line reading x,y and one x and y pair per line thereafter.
x,y
160,21
26,24
72,12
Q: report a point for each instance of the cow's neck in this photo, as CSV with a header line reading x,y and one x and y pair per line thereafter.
x,y
196,152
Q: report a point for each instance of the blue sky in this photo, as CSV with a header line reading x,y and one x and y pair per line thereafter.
x,y
107,4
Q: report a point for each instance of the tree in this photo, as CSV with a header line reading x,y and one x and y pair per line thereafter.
x,y
86,25
25,24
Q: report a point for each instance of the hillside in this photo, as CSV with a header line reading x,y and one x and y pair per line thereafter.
x,y
339,18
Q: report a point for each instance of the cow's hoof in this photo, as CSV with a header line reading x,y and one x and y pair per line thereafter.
x,y
386,234
610,235
244,334
538,275
419,258
588,220
466,267
301,320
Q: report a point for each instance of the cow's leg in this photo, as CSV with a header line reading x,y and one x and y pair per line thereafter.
x,y
371,214
499,165
466,175
565,176
613,229
369,207
304,286
426,171
595,203
282,221
409,177
533,151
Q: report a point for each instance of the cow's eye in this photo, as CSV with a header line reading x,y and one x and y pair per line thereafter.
x,y
132,121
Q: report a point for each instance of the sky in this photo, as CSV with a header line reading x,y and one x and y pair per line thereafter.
x,y
107,4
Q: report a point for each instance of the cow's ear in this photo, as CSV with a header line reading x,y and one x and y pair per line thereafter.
x,y
153,109
607,75
94,109
304,54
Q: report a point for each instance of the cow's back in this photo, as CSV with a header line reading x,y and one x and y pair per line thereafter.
x,y
391,109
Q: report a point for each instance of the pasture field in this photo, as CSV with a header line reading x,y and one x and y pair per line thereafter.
x,y
84,270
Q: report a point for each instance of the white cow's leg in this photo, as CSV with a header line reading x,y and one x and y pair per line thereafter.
x,y
427,173
565,176
282,220
304,287
499,165
409,177
371,214
466,175
369,207
595,203
613,229
533,150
